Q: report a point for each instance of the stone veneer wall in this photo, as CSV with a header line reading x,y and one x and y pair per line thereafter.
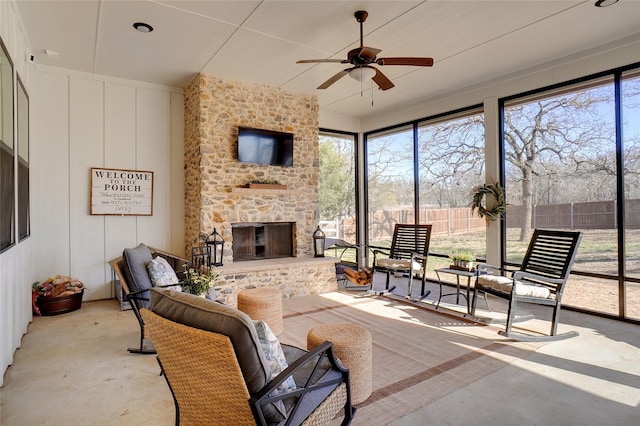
x,y
302,277
215,196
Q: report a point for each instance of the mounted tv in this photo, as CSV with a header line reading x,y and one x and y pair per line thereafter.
x,y
260,146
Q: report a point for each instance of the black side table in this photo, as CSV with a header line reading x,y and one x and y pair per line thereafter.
x,y
458,273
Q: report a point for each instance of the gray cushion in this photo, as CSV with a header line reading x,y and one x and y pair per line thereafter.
x,y
135,270
312,399
198,312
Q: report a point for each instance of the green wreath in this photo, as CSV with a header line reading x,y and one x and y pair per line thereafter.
x,y
477,196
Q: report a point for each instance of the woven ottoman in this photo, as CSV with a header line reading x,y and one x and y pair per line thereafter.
x,y
352,345
263,304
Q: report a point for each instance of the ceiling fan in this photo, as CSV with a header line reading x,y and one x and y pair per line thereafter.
x,y
363,57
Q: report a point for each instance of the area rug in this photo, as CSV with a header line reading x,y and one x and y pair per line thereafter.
x,y
419,355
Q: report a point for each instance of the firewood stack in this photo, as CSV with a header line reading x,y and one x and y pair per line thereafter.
x,y
361,277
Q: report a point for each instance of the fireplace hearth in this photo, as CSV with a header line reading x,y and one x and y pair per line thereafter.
x,y
262,240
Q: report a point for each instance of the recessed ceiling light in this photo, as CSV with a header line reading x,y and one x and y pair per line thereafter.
x,y
142,27
605,3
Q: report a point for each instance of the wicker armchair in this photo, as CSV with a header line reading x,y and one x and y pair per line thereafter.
x,y
218,378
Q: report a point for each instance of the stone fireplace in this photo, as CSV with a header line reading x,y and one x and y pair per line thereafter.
x,y
216,192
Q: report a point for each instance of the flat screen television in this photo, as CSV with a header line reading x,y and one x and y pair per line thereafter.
x,y
260,146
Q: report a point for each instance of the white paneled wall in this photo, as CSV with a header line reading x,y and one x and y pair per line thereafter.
x,y
79,121
82,121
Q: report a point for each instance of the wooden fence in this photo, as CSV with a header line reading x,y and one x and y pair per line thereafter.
x,y
456,221
381,223
592,215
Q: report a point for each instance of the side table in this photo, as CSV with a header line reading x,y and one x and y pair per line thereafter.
x,y
458,273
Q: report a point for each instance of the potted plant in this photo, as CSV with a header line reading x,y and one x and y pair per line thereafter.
x,y
199,283
462,260
266,184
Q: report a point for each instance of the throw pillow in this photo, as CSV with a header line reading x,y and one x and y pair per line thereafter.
x,y
274,355
162,274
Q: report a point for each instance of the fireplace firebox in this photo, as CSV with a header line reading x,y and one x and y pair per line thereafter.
x,y
268,240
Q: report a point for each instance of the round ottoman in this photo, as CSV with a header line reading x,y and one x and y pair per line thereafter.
x,y
352,344
263,304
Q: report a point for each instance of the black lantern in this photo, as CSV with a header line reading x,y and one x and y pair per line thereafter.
x,y
318,243
215,242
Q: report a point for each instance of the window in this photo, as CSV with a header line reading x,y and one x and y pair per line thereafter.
x,y
390,183
562,156
423,173
451,158
337,183
24,222
630,98
7,183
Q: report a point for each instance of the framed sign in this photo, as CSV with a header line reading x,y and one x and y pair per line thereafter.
x,y
121,192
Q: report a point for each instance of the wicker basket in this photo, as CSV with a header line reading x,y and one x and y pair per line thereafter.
x,y
60,305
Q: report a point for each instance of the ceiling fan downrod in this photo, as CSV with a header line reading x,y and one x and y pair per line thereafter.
x,y
361,16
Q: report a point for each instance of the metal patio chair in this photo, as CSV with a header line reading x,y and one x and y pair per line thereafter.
x,y
540,280
138,297
407,255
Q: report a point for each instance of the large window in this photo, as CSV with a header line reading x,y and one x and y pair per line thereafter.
x,y
7,206
390,183
24,219
423,173
630,99
561,166
451,158
337,185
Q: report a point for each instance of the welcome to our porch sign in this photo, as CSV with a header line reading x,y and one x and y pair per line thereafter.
x,y
121,192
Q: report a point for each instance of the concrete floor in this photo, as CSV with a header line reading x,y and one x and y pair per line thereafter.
x,y
591,379
73,369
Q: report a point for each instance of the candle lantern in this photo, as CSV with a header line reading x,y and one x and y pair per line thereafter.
x,y
215,242
318,243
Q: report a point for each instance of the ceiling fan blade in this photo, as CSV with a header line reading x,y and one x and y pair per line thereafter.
x,y
314,61
368,53
334,79
416,62
382,81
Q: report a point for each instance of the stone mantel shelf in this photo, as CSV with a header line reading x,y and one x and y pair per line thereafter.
x,y
245,190
271,264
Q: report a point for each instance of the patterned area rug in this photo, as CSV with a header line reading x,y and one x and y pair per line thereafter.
x,y
419,355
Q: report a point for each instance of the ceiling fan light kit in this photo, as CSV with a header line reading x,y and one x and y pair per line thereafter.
x,y
361,58
363,73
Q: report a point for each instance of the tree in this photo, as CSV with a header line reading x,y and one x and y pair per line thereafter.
x,y
333,185
542,135
336,184
451,159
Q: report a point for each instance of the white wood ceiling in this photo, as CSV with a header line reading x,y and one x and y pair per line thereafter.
x,y
260,41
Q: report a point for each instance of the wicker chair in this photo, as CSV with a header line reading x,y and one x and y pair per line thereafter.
x,y
139,298
211,374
